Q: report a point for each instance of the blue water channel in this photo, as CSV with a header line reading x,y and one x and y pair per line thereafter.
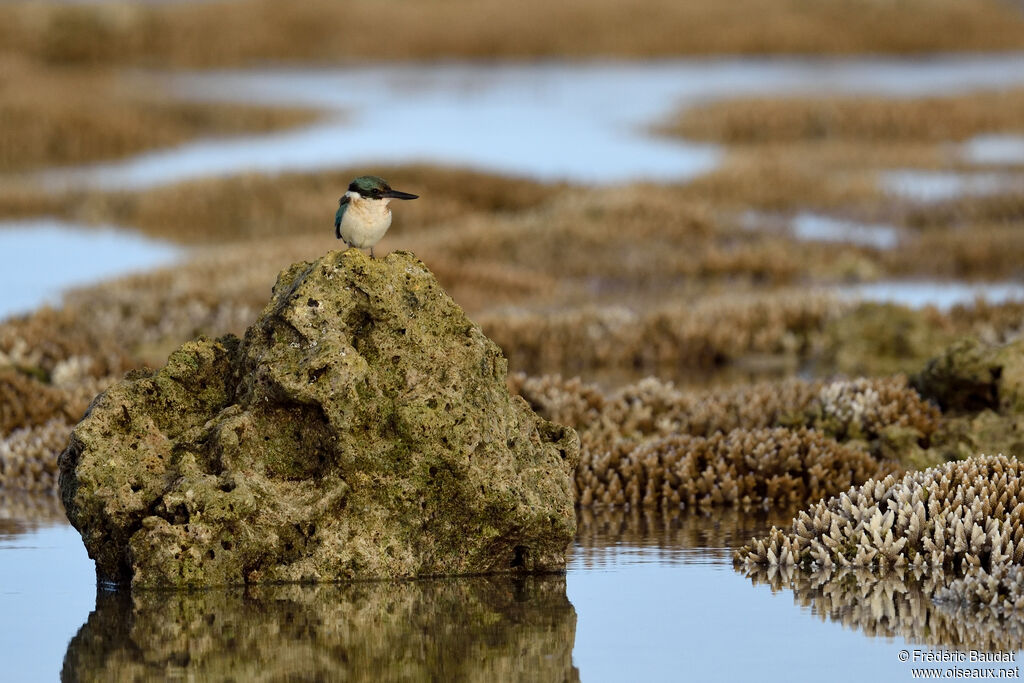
x,y
585,122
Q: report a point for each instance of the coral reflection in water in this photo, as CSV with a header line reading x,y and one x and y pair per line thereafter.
x,y
897,602
486,629
608,537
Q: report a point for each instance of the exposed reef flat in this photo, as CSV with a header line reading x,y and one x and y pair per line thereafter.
x,y
772,444
362,429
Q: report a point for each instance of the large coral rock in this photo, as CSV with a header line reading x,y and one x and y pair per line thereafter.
x,y
981,389
362,429
972,376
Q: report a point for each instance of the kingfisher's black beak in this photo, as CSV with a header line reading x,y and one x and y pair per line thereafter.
x,y
395,194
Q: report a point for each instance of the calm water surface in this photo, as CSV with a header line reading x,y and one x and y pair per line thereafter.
x,y
645,598
43,257
587,122
940,294
995,149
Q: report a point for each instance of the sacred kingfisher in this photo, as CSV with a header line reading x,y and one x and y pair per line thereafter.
x,y
363,214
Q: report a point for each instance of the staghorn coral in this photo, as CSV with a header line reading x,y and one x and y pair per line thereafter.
x,y
705,334
868,119
750,468
58,116
863,408
25,401
45,341
879,409
955,516
28,456
243,32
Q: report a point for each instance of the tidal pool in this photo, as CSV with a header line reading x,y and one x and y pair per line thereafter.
x,y
587,122
934,186
645,598
995,149
43,257
816,227
943,295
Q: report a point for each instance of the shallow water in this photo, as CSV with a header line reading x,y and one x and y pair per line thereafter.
x,y
943,295
645,598
586,122
995,149
816,227
43,257
933,186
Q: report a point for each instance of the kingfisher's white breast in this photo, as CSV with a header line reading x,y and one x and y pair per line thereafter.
x,y
365,221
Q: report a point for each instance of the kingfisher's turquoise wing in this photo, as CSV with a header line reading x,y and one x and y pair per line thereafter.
x,y
342,205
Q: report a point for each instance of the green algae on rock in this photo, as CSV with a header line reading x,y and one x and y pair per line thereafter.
x,y
970,376
362,429
980,388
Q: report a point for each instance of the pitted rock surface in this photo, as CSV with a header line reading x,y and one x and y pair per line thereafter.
x,y
362,429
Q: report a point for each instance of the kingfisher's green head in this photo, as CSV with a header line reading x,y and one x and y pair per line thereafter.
x,y
374,187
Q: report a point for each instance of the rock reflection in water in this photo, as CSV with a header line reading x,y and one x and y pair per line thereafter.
x,y
896,603
484,629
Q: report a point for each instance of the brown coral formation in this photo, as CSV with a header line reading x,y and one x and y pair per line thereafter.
x,y
955,516
703,335
871,119
750,468
865,408
651,444
53,117
654,407
27,402
243,32
55,346
27,461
